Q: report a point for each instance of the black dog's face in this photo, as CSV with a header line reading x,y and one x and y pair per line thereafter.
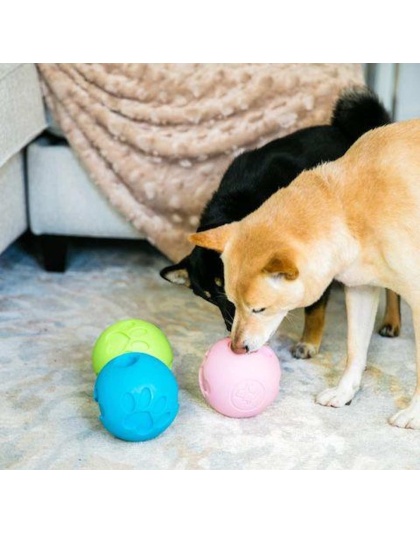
x,y
202,271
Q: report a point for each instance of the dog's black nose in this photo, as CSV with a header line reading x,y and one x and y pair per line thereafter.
x,y
242,349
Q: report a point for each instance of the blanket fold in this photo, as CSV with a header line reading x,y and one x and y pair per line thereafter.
x,y
157,138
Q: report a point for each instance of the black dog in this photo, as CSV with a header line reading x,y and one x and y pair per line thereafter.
x,y
253,177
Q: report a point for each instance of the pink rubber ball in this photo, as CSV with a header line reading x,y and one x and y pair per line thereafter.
x,y
239,385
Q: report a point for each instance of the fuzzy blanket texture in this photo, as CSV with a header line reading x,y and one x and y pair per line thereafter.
x,y
157,138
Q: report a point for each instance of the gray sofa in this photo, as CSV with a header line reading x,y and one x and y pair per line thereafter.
x,y
58,199
63,202
21,120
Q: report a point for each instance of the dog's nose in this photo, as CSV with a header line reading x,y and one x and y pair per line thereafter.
x,y
240,349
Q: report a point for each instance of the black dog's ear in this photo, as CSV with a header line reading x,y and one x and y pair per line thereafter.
x,y
177,274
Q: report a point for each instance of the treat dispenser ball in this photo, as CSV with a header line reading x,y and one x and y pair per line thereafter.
x,y
137,396
131,335
239,385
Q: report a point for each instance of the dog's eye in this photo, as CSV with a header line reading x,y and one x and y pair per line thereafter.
x,y
258,310
218,282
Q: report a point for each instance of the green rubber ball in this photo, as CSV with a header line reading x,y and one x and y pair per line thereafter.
x,y
131,335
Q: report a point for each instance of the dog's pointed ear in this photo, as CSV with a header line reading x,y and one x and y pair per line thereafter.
x,y
214,239
177,274
282,266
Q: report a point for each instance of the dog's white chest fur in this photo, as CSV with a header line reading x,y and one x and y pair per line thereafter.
x,y
359,274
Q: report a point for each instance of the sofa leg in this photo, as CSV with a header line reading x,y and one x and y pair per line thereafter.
x,y
54,252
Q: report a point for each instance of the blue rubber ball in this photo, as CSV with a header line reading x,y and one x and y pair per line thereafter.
x,y
137,396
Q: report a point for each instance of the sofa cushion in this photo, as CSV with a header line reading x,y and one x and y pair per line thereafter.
x,y
22,114
13,220
63,200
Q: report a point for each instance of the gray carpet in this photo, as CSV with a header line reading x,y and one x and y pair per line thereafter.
x,y
48,419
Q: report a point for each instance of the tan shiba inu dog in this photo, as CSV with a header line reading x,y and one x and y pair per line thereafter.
x,y
356,220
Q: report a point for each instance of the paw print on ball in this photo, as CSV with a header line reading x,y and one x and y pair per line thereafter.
x,y
131,335
137,396
144,412
248,395
132,340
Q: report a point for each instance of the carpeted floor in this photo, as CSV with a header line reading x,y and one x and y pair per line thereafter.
x,y
48,419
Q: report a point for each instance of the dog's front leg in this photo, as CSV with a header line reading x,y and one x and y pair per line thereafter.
x,y
362,304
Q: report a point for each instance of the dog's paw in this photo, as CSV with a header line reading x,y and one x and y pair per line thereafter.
x,y
409,417
335,397
389,330
303,351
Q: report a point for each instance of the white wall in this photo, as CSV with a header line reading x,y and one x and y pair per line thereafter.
x,y
408,100
398,85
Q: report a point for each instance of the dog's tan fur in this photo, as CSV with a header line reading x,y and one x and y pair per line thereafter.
x,y
355,220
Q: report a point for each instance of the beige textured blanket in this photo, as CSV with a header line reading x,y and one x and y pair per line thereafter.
x,y
156,138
